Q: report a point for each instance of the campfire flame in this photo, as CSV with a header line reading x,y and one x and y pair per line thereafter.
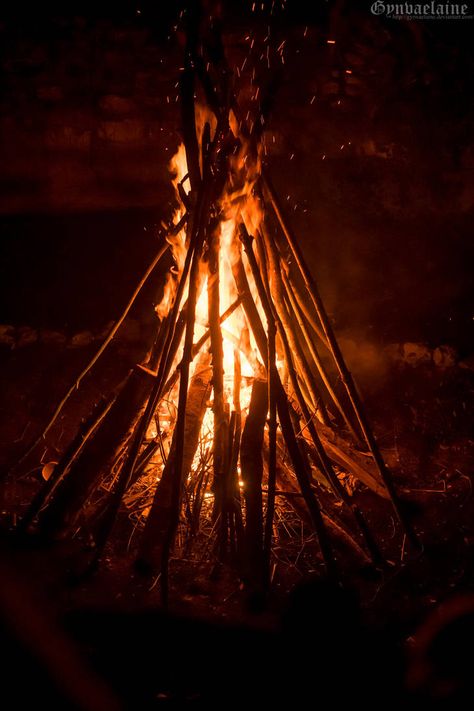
x,y
237,203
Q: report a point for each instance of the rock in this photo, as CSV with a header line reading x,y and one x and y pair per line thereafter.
x,y
444,357
53,338
81,339
394,351
7,336
415,354
26,336
48,469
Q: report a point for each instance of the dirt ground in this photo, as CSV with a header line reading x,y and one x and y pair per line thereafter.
x,y
422,415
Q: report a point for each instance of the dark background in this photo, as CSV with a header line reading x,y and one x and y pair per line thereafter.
x,y
377,168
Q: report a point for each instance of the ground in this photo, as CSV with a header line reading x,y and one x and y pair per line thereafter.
x,y
422,414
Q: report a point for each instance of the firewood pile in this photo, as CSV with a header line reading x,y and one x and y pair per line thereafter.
x,y
244,409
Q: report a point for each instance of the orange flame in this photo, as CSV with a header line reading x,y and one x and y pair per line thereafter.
x,y
238,204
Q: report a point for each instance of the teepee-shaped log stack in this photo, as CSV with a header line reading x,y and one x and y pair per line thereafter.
x,y
245,361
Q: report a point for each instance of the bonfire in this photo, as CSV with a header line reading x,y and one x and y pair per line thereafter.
x,y
244,406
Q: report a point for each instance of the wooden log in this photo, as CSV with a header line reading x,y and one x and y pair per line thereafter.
x,y
300,467
251,463
187,103
305,304
127,474
303,324
157,347
220,439
211,180
80,377
74,490
272,449
337,529
233,507
173,379
264,292
325,465
237,381
131,468
287,331
361,466
344,372
86,430
161,513
323,460
83,487
233,498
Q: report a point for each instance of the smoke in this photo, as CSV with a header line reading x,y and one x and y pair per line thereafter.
x,y
368,361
